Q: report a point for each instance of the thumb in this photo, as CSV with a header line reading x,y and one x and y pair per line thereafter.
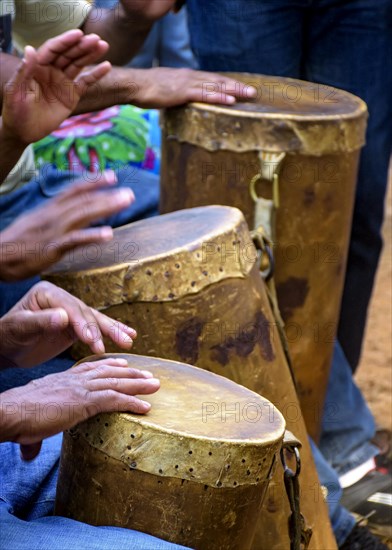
x,y
23,73
89,77
30,451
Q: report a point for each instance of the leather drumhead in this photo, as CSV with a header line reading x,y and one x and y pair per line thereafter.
x,y
159,259
201,426
196,402
295,98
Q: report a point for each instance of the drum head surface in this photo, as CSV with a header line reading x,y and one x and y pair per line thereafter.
x,y
153,237
292,97
198,403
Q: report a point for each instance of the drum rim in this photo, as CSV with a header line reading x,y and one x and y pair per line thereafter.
x,y
142,419
230,110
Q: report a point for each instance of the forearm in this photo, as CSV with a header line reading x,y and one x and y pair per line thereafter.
x,y
125,33
119,87
10,152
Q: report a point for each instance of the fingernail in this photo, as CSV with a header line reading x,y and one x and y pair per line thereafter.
x,y
126,339
144,405
99,346
59,318
106,233
230,99
147,373
110,176
125,196
122,362
251,91
153,382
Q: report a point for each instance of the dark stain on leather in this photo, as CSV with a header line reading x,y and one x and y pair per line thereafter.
x,y
244,342
292,294
309,197
187,340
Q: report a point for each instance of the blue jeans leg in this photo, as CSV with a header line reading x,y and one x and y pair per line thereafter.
x,y
27,494
342,521
347,424
50,182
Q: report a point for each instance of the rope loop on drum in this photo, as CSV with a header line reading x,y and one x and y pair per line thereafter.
x,y
299,533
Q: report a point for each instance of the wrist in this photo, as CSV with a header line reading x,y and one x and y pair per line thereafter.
x,y
10,415
130,85
11,261
10,140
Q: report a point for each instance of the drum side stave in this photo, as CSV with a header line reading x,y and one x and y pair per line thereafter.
x,y
310,249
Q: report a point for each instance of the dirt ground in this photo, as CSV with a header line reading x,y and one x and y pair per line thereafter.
x,y
375,371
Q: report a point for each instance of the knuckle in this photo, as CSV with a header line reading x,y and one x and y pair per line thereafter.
x,y
100,371
112,382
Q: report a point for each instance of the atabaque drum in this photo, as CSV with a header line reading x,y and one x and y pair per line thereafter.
x,y
189,282
288,160
193,471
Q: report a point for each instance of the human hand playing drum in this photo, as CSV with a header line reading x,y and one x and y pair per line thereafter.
x,y
60,401
61,224
44,323
163,87
47,320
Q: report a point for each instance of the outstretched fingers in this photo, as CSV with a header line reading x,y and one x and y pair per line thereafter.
x,y
71,51
52,49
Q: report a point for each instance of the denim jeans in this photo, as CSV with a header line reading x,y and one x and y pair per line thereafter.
x,y
27,495
50,182
347,427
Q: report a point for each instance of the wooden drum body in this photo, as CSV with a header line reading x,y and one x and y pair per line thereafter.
x,y
189,283
190,471
305,137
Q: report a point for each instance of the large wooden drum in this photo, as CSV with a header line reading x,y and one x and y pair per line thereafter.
x,y
297,146
189,282
193,471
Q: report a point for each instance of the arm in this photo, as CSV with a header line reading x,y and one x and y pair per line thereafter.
x,y
152,88
126,26
11,150
162,87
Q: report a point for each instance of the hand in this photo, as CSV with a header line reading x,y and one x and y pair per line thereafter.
x,y
47,320
56,227
49,83
62,400
163,87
